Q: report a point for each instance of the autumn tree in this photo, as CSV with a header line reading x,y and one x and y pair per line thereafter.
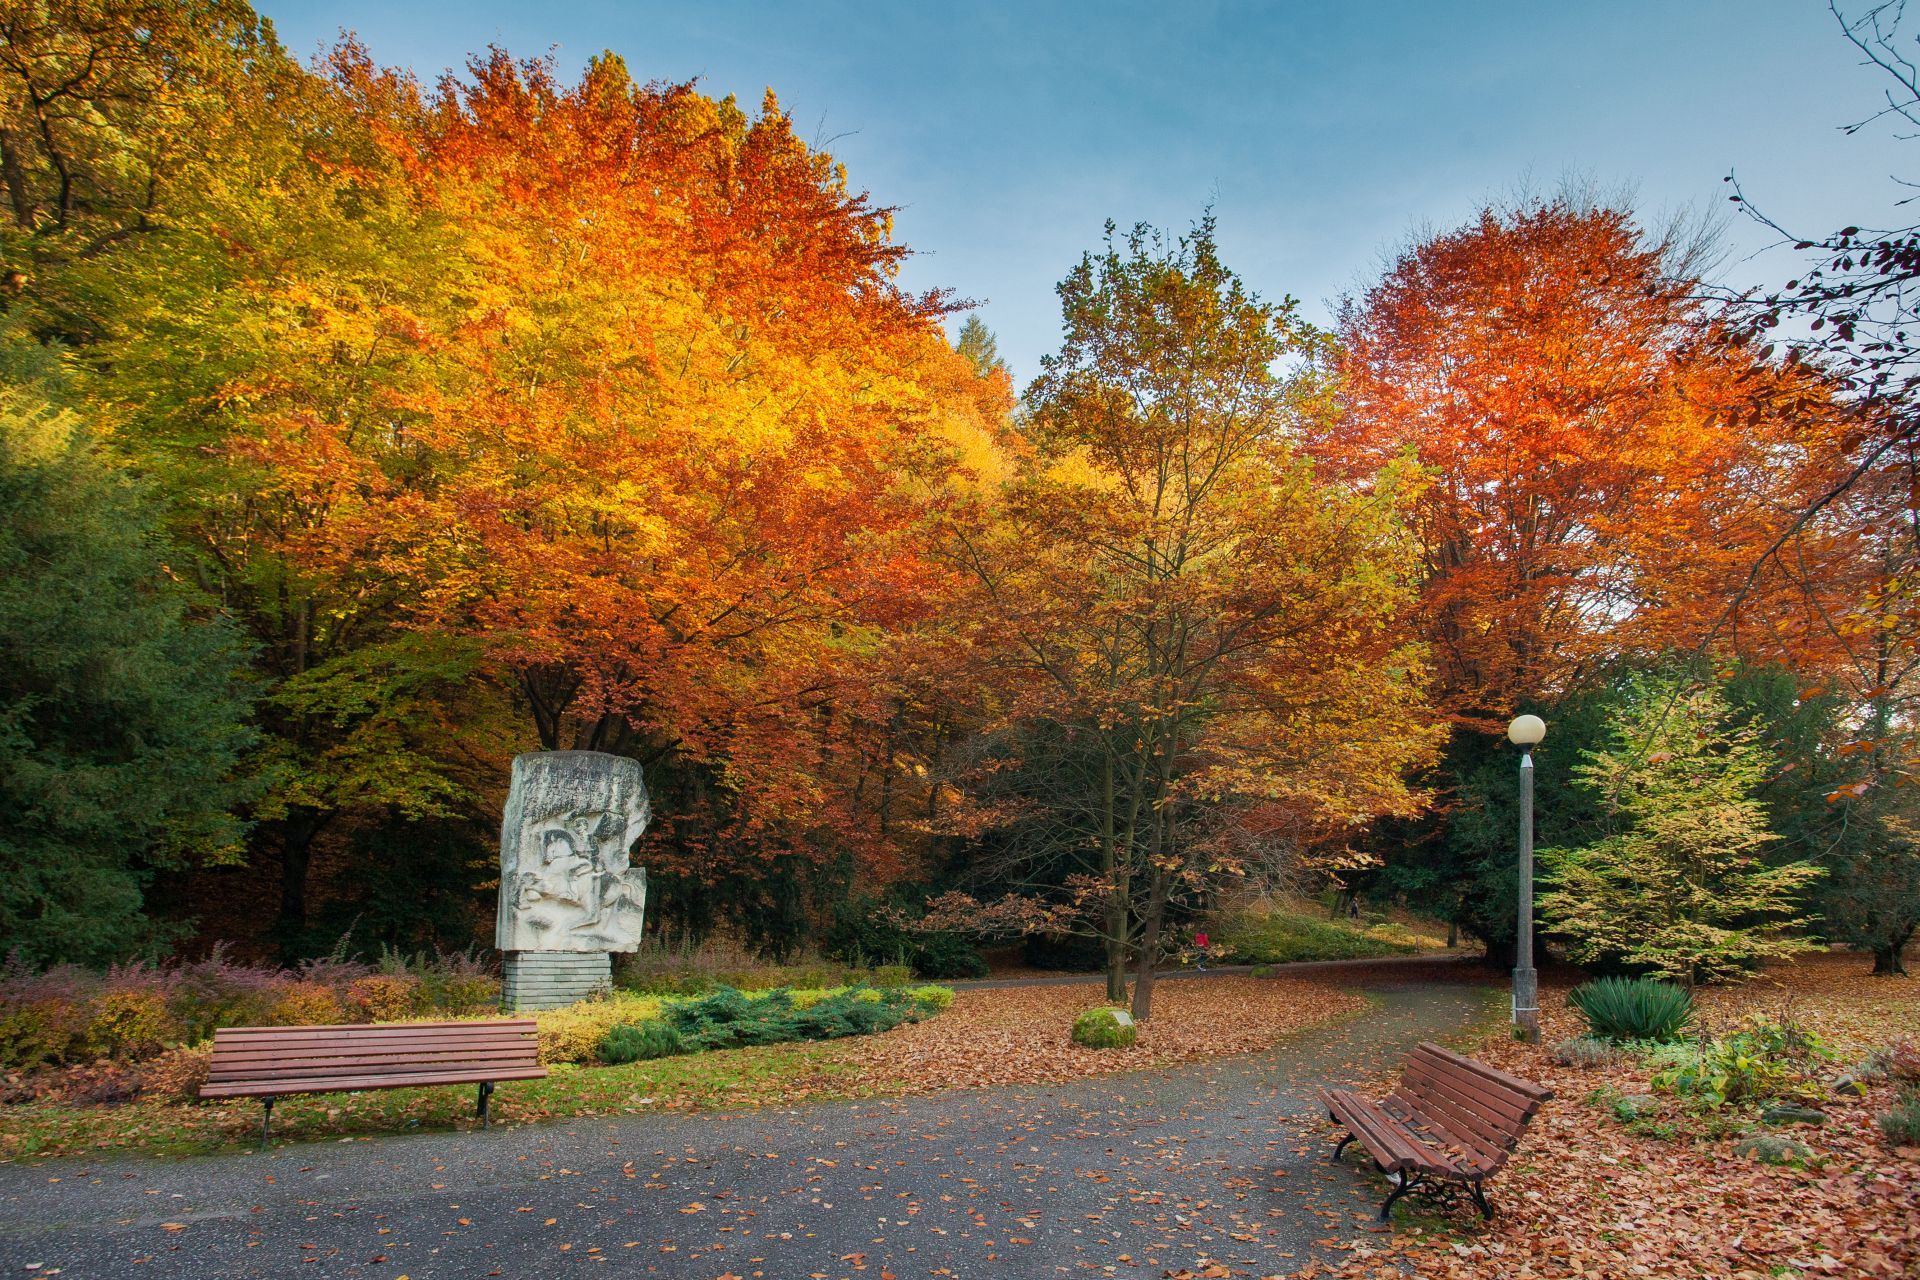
x,y
1601,454
1612,474
1200,625
1680,886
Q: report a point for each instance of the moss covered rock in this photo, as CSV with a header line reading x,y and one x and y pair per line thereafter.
x,y
1771,1149
1104,1028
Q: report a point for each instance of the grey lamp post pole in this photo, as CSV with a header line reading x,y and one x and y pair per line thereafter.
x,y
1526,732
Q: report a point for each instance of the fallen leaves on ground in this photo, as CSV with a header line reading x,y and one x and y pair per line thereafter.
x,y
1019,1035
1586,1197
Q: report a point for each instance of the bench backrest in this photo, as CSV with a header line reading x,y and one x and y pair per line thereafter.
x,y
1478,1108
373,1055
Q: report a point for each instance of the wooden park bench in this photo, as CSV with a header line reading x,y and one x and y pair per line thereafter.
x,y
270,1062
1452,1119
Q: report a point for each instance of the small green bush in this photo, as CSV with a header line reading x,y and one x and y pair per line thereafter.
x,y
640,1042
1624,1009
932,999
893,975
1104,1028
1902,1124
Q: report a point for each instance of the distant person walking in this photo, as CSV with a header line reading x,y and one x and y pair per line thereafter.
x,y
1200,945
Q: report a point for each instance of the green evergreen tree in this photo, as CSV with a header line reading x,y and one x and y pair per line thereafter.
x,y
122,707
977,344
1678,887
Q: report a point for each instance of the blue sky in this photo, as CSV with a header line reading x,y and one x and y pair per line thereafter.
x,y
1324,134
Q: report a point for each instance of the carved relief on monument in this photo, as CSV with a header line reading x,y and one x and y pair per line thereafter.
x,y
565,880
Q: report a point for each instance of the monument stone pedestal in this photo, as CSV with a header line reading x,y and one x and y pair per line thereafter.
x,y
554,979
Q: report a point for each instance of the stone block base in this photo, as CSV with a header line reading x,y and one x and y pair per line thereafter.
x,y
554,979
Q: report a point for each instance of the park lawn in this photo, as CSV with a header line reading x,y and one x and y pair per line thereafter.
x,y
989,1037
701,1081
1285,933
1588,1195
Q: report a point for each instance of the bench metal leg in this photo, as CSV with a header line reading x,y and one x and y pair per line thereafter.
x,y
486,1092
1401,1188
266,1117
1480,1198
1342,1146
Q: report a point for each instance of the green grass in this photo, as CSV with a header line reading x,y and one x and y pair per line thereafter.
x,y
705,1081
1280,936
716,1078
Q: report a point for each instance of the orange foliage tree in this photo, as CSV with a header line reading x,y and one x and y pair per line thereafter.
x,y
1608,464
686,432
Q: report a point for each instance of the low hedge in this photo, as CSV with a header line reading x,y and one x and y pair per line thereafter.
x,y
730,1019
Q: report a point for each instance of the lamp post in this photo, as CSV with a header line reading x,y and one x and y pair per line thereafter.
x,y
1525,732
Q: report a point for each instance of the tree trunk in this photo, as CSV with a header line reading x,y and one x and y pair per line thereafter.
x,y
1150,945
296,858
1114,926
1888,962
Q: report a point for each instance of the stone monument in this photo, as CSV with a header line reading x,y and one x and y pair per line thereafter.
x,y
568,895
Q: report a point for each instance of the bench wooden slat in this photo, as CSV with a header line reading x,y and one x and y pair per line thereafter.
x,y
1470,1151
412,1047
1506,1111
1392,1147
1496,1120
351,1071
377,1029
1493,1075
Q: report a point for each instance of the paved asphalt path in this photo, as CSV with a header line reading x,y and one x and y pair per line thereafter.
x,y
1130,1175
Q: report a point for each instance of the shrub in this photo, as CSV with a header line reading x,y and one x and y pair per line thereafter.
x,y
130,1021
1764,1061
727,1019
640,1042
1584,1052
1769,1148
1104,1028
386,997
1897,1061
176,1075
866,932
574,1034
306,1004
932,999
470,995
1902,1124
892,975
859,1011
43,1016
1622,1009
948,955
